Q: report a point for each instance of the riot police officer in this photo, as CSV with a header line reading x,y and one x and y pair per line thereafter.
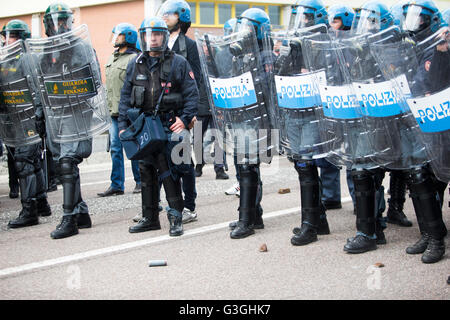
x,y
250,184
27,156
308,13
159,74
58,19
177,15
421,19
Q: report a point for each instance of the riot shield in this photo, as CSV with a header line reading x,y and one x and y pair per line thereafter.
x,y
297,102
379,105
338,117
238,93
73,96
425,130
17,97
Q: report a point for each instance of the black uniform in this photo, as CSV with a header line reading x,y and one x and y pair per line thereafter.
x,y
149,73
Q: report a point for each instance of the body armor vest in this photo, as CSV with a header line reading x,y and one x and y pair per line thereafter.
x,y
147,87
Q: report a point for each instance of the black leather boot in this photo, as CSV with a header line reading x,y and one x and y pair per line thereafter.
x,y
365,213
360,244
420,246
243,228
397,190
427,205
306,235
435,251
43,208
248,202
176,223
312,208
150,200
67,228
27,216
84,221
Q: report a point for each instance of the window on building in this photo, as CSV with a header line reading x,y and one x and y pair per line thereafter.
x,y
224,12
239,8
193,6
216,13
206,13
274,15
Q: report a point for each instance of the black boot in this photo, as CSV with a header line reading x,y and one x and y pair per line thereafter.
x,y
435,251
360,244
84,221
149,198
312,207
243,228
67,228
397,190
365,213
43,208
176,222
145,224
427,205
248,202
27,216
306,234
420,246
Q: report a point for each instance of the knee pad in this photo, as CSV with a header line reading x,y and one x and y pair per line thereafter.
x,y
67,170
24,168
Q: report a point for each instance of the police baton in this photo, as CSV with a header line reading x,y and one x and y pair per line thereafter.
x,y
44,159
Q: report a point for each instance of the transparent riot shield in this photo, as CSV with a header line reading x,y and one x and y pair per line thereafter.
x,y
17,97
338,117
72,91
425,129
379,104
297,101
238,90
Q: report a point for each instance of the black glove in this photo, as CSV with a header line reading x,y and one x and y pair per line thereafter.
x,y
40,127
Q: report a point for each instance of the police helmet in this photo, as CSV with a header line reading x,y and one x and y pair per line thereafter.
x,y
16,29
58,19
130,33
374,17
421,16
306,13
229,26
397,12
179,7
256,18
154,34
343,13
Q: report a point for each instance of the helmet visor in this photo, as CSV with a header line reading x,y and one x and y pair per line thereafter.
x,y
413,20
302,17
166,9
369,21
154,39
8,37
59,22
116,40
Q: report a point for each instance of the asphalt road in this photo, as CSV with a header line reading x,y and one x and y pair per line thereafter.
x,y
107,262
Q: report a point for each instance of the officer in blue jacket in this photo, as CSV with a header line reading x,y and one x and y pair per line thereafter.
x,y
155,70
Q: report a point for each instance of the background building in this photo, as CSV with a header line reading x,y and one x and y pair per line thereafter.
x,y
102,15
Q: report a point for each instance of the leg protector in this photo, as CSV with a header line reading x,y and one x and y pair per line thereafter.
x,y
365,201
311,204
70,181
150,190
426,202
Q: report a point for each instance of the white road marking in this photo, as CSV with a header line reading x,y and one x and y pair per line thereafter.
x,y
135,244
